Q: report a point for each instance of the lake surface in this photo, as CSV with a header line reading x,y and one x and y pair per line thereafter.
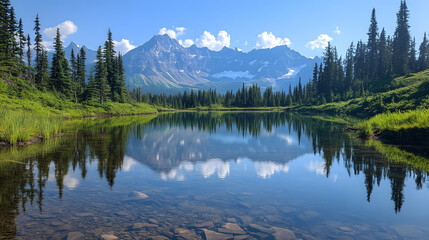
x,y
213,176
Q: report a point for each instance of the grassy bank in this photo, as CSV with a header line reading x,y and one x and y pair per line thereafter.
x,y
28,114
398,124
21,126
402,94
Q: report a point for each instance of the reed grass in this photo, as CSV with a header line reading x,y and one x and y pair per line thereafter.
x,y
395,123
20,126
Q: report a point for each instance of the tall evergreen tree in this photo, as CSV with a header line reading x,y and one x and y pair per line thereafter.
x,y
29,69
109,58
383,55
28,50
4,30
38,48
120,81
81,71
22,40
372,48
315,80
60,69
349,62
103,88
13,28
74,77
401,41
412,63
329,69
422,62
360,61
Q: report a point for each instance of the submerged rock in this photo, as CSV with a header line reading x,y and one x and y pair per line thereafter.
x,y
283,233
261,228
109,237
186,234
231,228
212,235
75,236
134,195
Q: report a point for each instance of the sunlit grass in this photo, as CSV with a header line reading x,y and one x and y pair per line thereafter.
x,y
20,126
397,122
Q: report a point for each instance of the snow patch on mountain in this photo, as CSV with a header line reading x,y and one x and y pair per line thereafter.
x,y
292,72
265,65
233,75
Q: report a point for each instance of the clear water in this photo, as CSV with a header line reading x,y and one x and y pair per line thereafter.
x,y
211,176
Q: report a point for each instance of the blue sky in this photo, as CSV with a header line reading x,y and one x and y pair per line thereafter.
x,y
305,25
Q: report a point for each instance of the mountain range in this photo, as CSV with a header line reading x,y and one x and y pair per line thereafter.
x,y
163,65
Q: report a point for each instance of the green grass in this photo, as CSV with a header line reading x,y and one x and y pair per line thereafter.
x,y
402,94
20,126
29,113
18,94
396,124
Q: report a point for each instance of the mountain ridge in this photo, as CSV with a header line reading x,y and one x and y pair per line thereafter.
x,y
163,65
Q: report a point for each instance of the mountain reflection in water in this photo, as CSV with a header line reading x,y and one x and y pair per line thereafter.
x,y
196,147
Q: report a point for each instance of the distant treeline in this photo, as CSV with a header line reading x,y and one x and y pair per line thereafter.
x,y
66,80
244,97
366,69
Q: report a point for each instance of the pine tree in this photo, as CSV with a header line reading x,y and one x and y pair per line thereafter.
x,y
412,64
120,81
4,30
38,48
22,40
314,80
109,58
14,47
29,68
401,41
384,56
81,65
349,62
329,69
101,83
74,77
372,48
60,69
44,70
360,61
28,50
423,54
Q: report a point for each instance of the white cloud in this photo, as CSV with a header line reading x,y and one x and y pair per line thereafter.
x,y
215,165
268,40
267,169
129,162
186,43
70,182
318,167
47,45
245,43
66,28
321,42
337,31
123,46
287,138
172,33
180,30
211,42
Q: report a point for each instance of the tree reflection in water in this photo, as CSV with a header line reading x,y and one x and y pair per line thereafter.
x,y
105,142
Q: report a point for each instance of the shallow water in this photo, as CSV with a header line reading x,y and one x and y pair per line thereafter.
x,y
212,176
